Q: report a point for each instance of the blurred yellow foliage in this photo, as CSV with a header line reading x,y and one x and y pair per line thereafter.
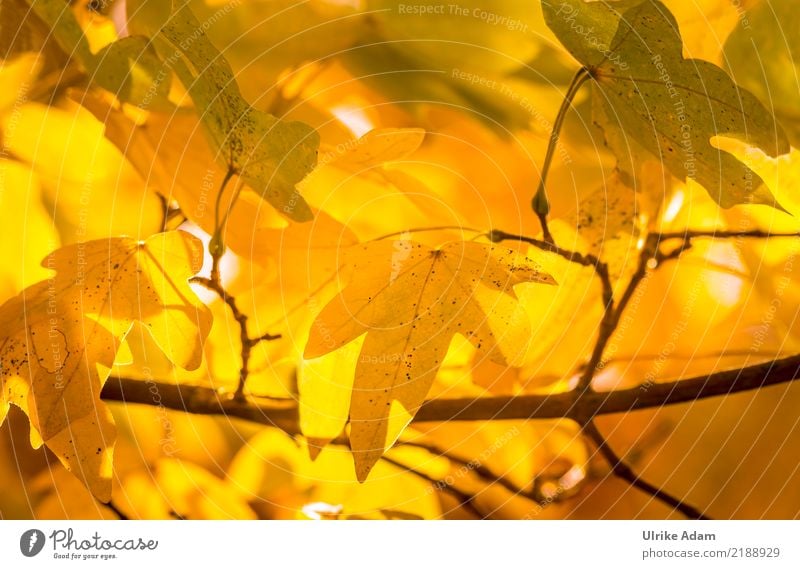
x,y
409,138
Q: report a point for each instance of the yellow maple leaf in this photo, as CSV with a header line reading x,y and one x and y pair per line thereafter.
x,y
411,300
59,337
170,152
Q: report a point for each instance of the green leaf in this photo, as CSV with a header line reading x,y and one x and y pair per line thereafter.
x,y
68,33
669,105
586,30
763,55
270,155
129,68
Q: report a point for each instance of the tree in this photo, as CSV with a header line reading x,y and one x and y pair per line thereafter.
x,y
296,262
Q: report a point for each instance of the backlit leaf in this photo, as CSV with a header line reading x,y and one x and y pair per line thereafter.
x,y
410,301
54,361
670,105
129,68
269,154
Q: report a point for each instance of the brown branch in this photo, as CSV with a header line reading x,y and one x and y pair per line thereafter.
x,y
591,404
581,404
206,401
621,470
199,400
722,234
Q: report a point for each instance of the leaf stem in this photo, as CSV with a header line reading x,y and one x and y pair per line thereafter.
x,y
236,193
540,204
216,247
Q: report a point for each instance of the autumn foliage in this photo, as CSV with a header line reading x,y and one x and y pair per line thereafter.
x,y
363,259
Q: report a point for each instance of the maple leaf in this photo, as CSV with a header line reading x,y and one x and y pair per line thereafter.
x,y
59,337
269,154
128,67
411,300
170,151
670,105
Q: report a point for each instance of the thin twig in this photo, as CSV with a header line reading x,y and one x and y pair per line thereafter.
x,y
216,248
465,501
169,214
608,324
247,342
266,337
589,260
610,315
473,465
622,470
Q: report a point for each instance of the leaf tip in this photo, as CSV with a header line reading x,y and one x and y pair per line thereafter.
x,y
365,461
316,446
298,210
